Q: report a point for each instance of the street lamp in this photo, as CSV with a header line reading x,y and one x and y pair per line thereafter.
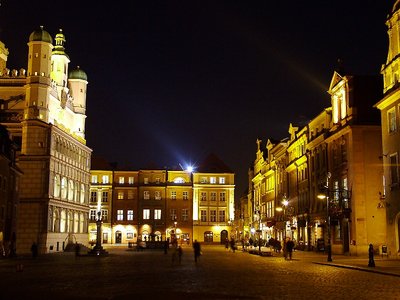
x,y
328,216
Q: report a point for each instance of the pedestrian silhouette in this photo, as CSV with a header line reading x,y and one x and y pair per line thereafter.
x,y
34,250
289,248
197,250
371,262
180,252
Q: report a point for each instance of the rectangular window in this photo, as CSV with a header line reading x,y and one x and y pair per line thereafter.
x,y
203,215
185,214
92,215
146,214
213,196
203,196
221,216
121,180
93,197
94,178
185,195
222,180
213,215
146,195
391,115
131,180
104,215
129,235
158,180
157,214
120,215
104,197
394,172
129,215
105,179
146,180
173,195
130,194
173,214
120,195
222,196
157,195
213,180
203,180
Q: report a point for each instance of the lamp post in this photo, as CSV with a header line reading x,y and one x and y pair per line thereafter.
x,y
98,249
328,216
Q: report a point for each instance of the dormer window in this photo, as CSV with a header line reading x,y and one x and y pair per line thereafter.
x,y
339,105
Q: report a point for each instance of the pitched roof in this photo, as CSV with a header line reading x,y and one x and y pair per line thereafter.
x,y
212,164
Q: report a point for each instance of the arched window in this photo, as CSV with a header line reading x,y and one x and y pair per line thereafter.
x,y
63,222
83,194
57,184
179,180
56,221
81,223
63,188
70,222
76,192
76,222
70,190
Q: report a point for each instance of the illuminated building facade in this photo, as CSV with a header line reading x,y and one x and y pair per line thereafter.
x,y
342,141
159,204
390,116
44,111
213,201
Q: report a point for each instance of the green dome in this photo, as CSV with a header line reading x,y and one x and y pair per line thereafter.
x,y
40,35
77,74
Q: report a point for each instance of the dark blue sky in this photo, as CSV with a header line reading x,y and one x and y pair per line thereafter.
x,y
171,81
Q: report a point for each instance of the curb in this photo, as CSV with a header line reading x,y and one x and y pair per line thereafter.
x,y
357,268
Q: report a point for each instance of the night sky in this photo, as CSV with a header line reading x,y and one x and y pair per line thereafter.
x,y
172,81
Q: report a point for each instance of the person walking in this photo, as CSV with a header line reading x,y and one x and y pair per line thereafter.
x,y
180,253
371,261
197,250
289,248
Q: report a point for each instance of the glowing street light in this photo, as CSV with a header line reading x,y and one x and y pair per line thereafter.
x,y
323,196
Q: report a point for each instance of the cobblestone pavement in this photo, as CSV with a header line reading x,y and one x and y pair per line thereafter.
x,y
219,274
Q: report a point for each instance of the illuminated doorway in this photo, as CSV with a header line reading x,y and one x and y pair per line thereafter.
x,y
208,237
118,237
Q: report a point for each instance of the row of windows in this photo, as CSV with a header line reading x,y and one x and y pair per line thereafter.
x,y
69,190
148,214
213,196
212,180
212,216
63,221
146,195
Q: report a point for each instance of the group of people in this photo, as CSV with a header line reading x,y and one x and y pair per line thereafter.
x,y
177,251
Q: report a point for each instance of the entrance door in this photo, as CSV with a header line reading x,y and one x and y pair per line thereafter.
x,y
118,237
224,236
105,237
208,237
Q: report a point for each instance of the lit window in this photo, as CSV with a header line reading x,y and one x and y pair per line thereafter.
x,y
120,215
93,215
131,180
173,195
105,179
129,215
104,214
146,180
213,180
222,180
157,195
120,195
121,180
63,188
179,180
146,195
391,115
185,195
146,214
157,214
